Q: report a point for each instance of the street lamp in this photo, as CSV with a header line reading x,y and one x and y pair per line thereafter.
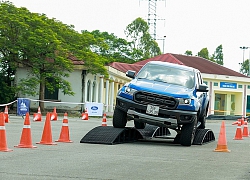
x,y
163,43
164,37
243,48
248,63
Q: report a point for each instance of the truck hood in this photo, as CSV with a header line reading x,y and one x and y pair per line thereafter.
x,y
160,88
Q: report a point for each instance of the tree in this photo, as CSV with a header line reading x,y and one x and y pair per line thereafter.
x,y
188,53
244,69
112,48
204,53
218,55
143,46
10,27
43,46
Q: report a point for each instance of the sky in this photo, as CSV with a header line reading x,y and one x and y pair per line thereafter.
x,y
186,24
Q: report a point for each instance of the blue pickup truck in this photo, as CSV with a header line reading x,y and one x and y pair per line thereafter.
x,y
165,95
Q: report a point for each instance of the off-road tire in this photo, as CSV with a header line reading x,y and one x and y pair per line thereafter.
x,y
203,122
188,133
202,119
139,125
119,118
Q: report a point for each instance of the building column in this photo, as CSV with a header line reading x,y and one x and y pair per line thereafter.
x,y
107,96
90,91
112,97
115,92
96,91
211,104
244,100
100,100
228,104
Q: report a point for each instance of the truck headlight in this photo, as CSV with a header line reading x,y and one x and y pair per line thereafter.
x,y
130,91
184,101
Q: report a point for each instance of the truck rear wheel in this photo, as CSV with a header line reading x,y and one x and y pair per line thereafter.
x,y
188,133
119,118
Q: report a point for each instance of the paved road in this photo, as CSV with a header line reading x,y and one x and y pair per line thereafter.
x,y
138,160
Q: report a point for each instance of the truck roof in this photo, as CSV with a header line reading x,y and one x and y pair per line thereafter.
x,y
173,65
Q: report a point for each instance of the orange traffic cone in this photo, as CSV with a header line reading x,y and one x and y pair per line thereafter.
x,y
236,122
85,115
47,133
6,114
238,134
64,135
26,140
104,120
222,141
54,115
242,120
37,116
245,130
3,139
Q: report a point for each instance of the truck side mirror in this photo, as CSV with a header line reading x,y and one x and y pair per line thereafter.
x,y
202,88
130,74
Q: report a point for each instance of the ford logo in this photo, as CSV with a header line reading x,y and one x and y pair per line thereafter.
x,y
94,108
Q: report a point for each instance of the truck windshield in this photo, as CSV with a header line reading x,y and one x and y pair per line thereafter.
x,y
167,74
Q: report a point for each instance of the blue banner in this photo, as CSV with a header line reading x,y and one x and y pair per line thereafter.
x,y
23,106
228,85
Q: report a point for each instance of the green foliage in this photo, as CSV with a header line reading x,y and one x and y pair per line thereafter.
x,y
143,46
244,69
204,53
5,87
188,53
28,86
111,48
43,45
218,55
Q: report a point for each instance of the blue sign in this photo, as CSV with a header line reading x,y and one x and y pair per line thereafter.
x,y
23,106
228,85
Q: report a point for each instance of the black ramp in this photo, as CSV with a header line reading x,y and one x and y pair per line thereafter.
x,y
203,136
153,131
111,135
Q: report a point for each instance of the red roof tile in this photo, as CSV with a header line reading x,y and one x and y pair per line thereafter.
x,y
75,61
203,65
123,67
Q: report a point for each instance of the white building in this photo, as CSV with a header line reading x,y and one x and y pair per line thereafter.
x,y
229,90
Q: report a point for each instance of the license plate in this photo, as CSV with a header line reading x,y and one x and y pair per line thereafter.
x,y
154,110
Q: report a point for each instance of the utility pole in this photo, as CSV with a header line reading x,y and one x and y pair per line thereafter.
x,y
153,18
244,48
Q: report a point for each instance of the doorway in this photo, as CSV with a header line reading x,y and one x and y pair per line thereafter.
x,y
220,107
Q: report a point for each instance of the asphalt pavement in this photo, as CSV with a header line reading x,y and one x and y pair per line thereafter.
x,y
137,160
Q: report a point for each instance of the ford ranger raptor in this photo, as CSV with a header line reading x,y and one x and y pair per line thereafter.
x,y
165,95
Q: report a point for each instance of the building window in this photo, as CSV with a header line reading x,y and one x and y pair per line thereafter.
x,y
248,86
239,86
51,91
215,84
205,82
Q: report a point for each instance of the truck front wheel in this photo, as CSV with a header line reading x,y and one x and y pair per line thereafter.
x,y
188,133
119,118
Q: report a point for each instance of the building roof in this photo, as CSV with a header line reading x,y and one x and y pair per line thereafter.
x,y
123,67
203,65
75,61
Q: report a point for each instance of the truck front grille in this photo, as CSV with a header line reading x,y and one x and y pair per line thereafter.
x,y
165,102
